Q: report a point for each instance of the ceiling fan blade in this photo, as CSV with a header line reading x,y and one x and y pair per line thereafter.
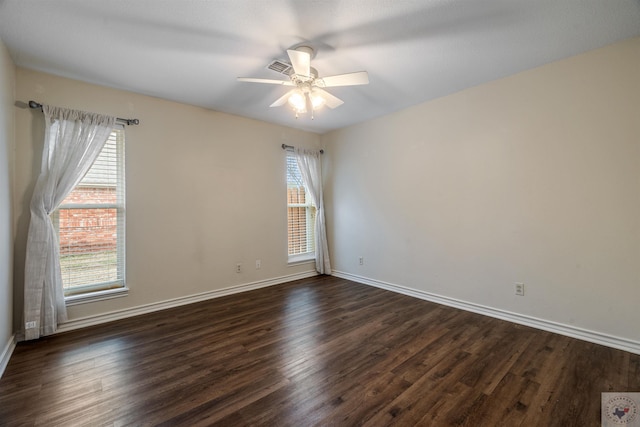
x,y
349,79
331,100
280,101
301,62
269,81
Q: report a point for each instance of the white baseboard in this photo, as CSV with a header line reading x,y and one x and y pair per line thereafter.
x,y
176,302
7,351
546,325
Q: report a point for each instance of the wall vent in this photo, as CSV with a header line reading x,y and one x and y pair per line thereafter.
x,y
280,67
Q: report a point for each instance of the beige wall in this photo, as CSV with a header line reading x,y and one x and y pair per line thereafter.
x,y
7,87
205,191
533,178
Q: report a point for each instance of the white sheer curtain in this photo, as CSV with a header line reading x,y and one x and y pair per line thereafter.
x,y
72,142
311,169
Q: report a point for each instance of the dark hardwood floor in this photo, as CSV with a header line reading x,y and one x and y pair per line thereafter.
x,y
321,351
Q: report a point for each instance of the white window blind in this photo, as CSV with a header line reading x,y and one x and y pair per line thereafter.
x,y
300,213
91,225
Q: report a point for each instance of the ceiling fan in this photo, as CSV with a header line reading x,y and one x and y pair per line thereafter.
x,y
308,93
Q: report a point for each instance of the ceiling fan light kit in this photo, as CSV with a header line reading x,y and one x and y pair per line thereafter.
x,y
308,94
298,101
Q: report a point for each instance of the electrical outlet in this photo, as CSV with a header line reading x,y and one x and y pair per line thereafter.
x,y
30,325
238,268
258,264
361,260
520,289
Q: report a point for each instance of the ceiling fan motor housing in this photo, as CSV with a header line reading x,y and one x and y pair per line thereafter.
x,y
300,79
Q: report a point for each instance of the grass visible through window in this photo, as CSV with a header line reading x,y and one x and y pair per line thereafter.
x,y
96,267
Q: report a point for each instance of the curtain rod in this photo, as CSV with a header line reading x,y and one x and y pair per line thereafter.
x,y
34,104
291,147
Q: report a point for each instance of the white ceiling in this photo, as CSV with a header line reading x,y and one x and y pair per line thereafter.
x,y
191,51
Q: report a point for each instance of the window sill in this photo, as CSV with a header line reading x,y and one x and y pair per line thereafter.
x,y
301,259
96,296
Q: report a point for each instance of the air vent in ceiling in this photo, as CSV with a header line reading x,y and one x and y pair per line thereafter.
x,y
279,67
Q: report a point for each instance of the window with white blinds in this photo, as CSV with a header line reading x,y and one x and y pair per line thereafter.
x,y
301,215
91,224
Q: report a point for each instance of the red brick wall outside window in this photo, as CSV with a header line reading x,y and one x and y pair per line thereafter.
x,y
299,227
89,230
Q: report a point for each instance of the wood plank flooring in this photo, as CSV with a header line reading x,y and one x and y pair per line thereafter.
x,y
321,351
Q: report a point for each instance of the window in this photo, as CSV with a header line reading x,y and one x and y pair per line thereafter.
x,y
90,223
301,215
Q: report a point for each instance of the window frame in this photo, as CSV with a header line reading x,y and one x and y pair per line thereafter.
x,y
111,288
310,210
